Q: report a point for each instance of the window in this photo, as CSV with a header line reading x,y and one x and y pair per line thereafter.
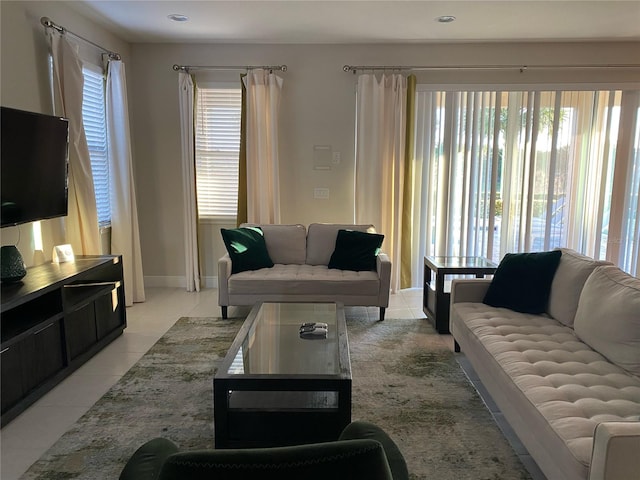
x,y
512,171
95,127
217,145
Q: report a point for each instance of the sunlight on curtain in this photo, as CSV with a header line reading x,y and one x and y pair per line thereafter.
x,y
630,254
263,183
623,237
82,221
186,102
125,235
498,172
380,149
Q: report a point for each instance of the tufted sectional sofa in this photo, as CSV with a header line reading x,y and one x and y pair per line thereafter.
x,y
300,272
568,381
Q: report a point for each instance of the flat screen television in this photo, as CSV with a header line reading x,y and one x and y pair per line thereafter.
x,y
33,166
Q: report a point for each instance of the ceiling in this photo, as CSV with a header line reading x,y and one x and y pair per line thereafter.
x,y
361,21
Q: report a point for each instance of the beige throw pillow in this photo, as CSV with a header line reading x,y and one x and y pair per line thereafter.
x,y
286,244
573,271
608,316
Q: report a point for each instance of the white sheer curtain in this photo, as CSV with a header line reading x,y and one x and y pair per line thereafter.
x,y
513,171
263,183
186,101
380,150
623,241
82,220
125,236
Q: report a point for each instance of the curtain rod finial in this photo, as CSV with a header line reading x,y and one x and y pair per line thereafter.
x,y
283,68
48,23
346,68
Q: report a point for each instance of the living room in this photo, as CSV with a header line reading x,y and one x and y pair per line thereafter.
x,y
317,108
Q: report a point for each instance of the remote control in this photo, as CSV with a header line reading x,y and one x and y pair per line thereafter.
x,y
308,329
314,324
316,333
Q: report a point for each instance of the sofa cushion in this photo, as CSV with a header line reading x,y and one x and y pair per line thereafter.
x,y
247,248
304,280
573,270
356,250
285,243
321,240
522,281
608,316
570,385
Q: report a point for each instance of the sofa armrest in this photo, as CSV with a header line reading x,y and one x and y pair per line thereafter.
x,y
469,290
146,462
615,451
359,430
224,272
383,267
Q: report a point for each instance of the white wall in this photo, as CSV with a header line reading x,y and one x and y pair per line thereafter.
x,y
318,107
24,84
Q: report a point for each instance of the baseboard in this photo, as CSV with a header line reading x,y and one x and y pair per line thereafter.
x,y
165,281
176,281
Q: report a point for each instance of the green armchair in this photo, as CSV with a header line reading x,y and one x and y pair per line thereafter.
x,y
363,451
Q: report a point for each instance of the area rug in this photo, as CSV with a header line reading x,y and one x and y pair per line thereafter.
x,y
405,379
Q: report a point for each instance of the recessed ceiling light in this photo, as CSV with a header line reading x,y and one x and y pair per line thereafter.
x,y
177,17
445,19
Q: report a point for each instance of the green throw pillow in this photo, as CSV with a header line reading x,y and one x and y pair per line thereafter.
x,y
247,248
522,281
356,250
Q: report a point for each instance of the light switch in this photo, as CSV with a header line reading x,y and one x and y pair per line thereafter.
x,y
337,158
322,157
322,193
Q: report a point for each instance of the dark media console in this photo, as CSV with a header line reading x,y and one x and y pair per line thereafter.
x,y
52,322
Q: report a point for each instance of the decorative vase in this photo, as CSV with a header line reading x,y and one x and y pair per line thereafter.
x,y
12,268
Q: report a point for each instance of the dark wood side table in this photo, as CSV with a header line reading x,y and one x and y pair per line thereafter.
x,y
436,291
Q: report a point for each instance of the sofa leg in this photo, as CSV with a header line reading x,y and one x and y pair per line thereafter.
x,y
224,311
456,346
381,314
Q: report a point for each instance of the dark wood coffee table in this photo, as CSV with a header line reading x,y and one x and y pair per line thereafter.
x,y
275,388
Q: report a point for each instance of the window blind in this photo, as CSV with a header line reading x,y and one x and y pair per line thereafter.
x,y
218,113
94,121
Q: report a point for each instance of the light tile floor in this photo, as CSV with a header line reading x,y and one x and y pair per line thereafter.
x,y
30,435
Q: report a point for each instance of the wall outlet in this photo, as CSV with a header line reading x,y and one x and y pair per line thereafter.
x,y
322,193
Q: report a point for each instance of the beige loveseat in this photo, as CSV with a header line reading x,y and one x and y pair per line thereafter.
x,y
568,380
300,272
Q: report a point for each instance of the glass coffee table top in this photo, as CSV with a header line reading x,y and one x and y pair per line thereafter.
x,y
272,344
460,262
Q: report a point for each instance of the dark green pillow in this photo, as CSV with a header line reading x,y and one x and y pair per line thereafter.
x,y
522,281
356,250
247,248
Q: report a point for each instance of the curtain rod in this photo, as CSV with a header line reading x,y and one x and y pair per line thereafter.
x,y
48,23
521,68
186,68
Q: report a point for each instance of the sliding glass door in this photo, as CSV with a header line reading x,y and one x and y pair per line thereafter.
x,y
513,171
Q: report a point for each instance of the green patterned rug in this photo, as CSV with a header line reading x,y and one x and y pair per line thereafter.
x,y
404,379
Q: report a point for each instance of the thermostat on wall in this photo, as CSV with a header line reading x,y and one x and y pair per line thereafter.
x,y
62,253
